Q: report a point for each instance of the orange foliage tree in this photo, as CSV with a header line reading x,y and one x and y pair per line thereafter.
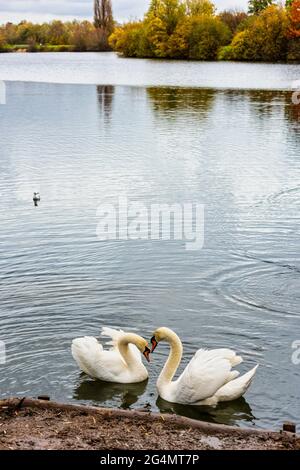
x,y
294,28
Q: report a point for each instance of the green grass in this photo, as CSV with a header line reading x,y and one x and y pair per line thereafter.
x,y
36,48
54,48
13,47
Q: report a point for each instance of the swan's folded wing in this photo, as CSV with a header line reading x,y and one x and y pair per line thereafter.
x,y
203,376
87,352
229,354
94,361
115,335
236,388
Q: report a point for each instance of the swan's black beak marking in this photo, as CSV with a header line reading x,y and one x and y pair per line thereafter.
x,y
146,353
154,343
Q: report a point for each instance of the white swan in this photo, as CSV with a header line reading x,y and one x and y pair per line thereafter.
x,y
207,379
121,364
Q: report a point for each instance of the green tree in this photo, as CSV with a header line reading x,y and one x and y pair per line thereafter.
x,y
256,6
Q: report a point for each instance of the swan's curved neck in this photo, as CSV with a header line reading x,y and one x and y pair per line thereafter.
x,y
128,356
173,360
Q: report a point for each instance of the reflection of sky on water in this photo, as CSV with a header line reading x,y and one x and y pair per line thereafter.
x,y
109,69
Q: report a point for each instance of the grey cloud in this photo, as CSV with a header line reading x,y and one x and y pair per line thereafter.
x,y
58,7
123,9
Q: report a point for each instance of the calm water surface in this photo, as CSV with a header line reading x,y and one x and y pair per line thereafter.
x,y
235,151
109,69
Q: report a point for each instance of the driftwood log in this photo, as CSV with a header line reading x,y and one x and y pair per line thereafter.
x,y
146,430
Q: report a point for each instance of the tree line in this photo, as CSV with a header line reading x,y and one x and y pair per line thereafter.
x,y
191,29
173,29
61,36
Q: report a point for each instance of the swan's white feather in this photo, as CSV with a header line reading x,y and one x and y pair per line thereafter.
x,y
107,365
203,376
207,379
94,361
115,335
236,388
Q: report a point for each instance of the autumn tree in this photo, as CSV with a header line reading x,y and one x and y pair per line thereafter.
x,y
233,19
2,41
199,38
154,6
200,7
9,31
168,12
190,29
264,38
256,6
103,16
294,17
207,35
131,40
53,36
160,23
57,33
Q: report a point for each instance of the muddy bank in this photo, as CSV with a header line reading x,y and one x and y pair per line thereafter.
x,y
37,424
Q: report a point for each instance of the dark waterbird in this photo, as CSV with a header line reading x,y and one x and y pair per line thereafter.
x,y
36,199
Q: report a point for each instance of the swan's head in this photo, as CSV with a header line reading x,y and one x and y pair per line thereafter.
x,y
142,345
161,334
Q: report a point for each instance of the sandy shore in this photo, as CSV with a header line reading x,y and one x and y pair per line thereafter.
x,y
37,424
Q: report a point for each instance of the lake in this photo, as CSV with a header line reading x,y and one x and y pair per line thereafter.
x,y
108,69
228,140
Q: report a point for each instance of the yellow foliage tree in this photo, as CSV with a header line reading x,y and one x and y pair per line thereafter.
x,y
263,39
200,7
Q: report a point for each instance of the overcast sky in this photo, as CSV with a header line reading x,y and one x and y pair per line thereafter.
x,y
45,10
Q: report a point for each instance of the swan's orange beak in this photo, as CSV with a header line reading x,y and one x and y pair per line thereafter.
x,y
146,353
154,343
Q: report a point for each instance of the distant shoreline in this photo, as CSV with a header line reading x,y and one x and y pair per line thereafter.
x,y
60,49
17,49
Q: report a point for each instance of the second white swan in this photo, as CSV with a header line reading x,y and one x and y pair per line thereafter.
x,y
207,379
120,364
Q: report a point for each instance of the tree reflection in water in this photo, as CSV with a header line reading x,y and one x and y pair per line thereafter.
x,y
105,95
186,100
